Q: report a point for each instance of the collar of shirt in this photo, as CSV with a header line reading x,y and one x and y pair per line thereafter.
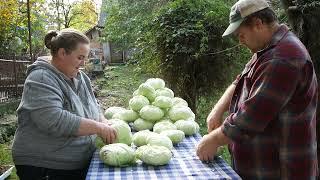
x,y
276,37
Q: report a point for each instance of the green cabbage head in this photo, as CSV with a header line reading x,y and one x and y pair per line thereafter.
x,y
160,140
156,83
188,127
165,92
163,125
154,155
147,91
141,124
179,102
176,136
181,112
127,115
151,113
163,102
118,154
140,138
112,110
137,102
124,134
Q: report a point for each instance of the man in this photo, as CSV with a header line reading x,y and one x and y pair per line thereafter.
x,y
271,128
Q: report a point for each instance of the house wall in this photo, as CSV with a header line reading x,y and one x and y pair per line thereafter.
x,y
105,51
96,50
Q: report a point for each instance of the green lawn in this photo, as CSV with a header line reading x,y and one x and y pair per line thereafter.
x,y
115,88
6,159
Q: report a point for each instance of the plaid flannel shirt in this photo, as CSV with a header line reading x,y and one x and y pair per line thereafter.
x,y
272,121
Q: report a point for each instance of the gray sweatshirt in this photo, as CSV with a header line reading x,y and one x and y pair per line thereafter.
x,y
49,116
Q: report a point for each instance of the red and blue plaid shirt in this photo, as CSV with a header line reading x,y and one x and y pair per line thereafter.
x,y
272,121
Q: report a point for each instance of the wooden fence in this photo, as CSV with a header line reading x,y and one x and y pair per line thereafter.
x,y
12,76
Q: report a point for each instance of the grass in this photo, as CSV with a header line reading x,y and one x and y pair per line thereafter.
x,y
5,151
7,114
6,159
118,83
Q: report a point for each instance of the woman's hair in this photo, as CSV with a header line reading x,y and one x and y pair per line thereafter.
x,y
67,39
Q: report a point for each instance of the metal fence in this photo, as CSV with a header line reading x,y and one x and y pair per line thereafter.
x,y
12,76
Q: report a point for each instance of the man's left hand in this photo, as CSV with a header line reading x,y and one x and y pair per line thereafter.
x,y
207,148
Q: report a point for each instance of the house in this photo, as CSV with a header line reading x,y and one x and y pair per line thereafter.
x,y
106,51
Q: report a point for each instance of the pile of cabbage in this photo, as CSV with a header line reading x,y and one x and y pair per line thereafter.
x,y
160,121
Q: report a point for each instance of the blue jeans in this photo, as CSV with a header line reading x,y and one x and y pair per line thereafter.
x,y
26,172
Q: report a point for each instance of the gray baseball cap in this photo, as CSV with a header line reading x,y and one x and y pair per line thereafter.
x,y
242,9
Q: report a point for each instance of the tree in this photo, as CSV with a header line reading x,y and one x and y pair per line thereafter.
x,y
81,15
175,40
9,15
84,15
126,20
303,16
14,23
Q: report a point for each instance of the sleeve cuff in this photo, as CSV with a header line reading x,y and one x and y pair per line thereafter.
x,y
232,131
235,82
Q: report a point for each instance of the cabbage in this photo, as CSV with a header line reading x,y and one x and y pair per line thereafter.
x,y
126,115
112,110
165,119
181,112
112,121
154,155
137,102
99,143
163,102
140,138
140,150
188,127
179,102
147,91
159,140
151,113
156,83
176,136
141,124
165,92
117,154
135,93
163,125
124,134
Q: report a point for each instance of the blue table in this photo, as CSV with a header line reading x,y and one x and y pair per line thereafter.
x,y
183,165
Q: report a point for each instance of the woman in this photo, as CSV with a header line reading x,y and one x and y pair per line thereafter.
x,y
58,117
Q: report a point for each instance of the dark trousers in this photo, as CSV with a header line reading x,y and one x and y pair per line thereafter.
x,y
39,173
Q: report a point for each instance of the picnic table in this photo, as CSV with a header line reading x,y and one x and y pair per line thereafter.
x,y
183,165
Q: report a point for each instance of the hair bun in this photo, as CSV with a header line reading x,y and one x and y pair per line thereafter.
x,y
48,38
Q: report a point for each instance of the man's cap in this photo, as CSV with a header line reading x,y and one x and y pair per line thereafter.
x,y
242,9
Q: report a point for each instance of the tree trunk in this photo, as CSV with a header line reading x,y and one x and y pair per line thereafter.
x,y
304,20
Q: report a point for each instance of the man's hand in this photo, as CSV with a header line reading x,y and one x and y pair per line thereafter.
x,y
214,120
207,148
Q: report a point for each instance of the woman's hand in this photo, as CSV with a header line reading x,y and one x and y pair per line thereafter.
x,y
107,133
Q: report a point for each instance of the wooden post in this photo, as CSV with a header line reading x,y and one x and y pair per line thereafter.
x,y
15,77
29,29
